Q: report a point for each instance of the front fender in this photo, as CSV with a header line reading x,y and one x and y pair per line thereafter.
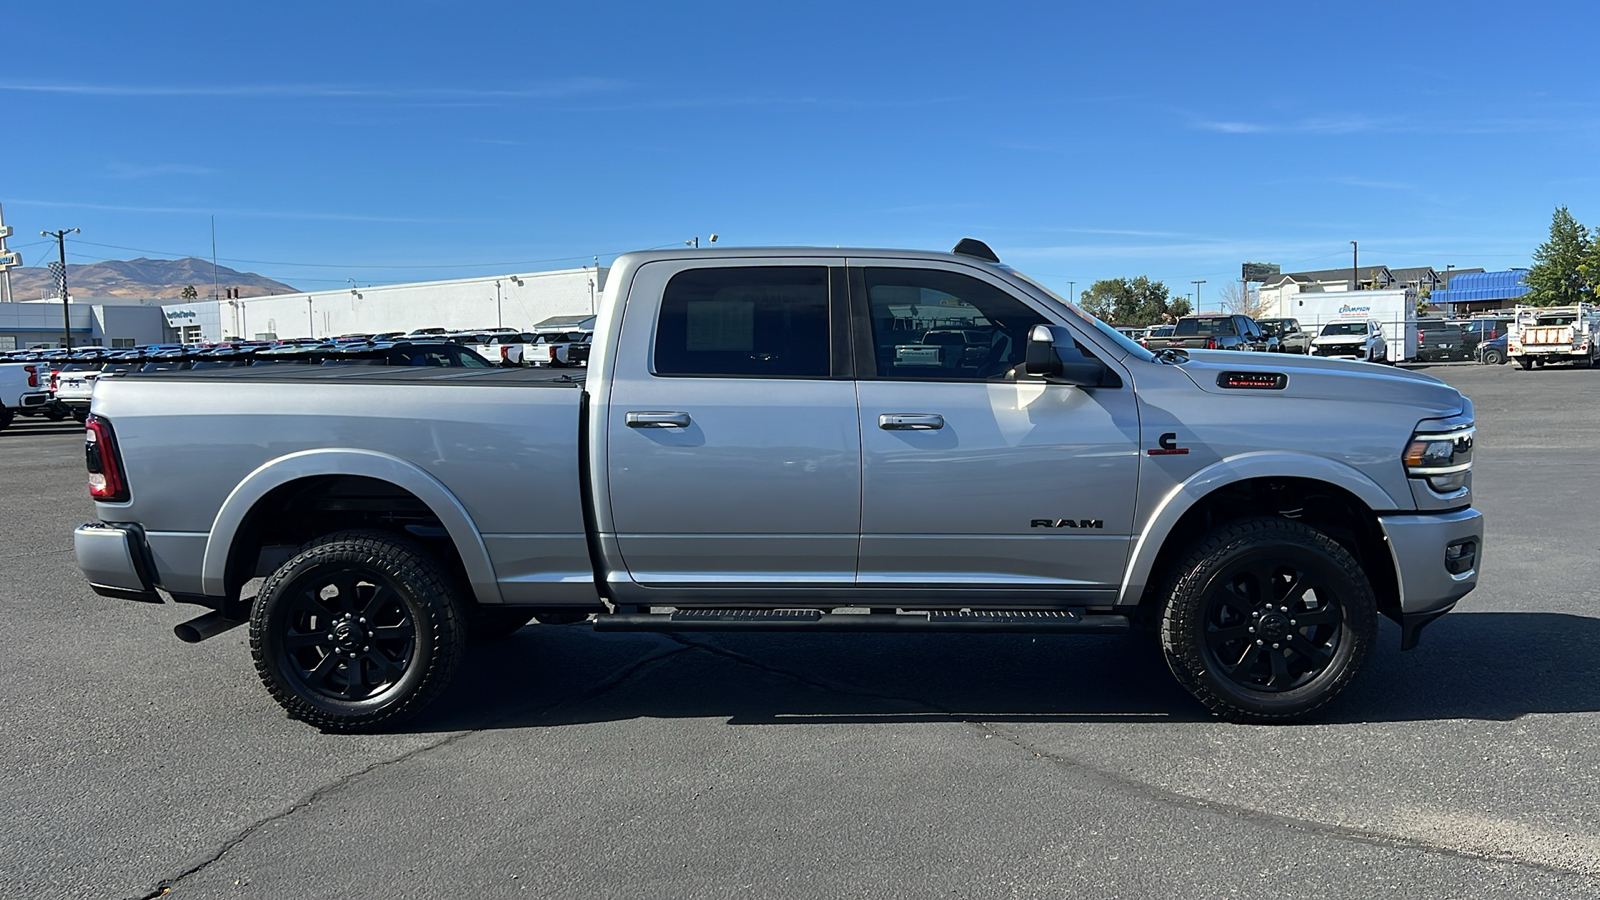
x,y
348,461
1235,469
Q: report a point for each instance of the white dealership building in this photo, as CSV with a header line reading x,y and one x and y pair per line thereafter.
x,y
517,301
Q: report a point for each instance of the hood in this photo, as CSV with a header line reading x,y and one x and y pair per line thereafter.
x,y
1315,378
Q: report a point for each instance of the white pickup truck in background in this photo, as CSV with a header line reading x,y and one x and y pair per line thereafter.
x,y
22,387
1555,334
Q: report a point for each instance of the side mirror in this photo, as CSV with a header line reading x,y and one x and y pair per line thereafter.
x,y
1054,354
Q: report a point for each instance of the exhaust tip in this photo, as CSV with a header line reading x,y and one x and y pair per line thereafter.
x,y
207,626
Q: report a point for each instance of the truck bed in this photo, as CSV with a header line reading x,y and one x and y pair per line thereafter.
x,y
507,451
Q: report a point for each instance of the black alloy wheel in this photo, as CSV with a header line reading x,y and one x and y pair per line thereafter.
x,y
1268,620
359,630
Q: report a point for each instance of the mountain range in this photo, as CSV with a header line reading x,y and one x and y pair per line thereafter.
x,y
155,279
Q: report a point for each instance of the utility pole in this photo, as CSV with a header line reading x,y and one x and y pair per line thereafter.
x,y
1197,293
66,312
499,318
1355,267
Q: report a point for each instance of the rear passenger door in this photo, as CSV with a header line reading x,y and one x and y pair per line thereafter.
x,y
977,479
733,455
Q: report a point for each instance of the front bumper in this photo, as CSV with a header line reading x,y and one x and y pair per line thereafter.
x,y
113,558
1436,562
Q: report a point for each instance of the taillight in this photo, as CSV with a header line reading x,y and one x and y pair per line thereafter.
x,y
33,375
505,354
1211,343
106,483
55,381
552,352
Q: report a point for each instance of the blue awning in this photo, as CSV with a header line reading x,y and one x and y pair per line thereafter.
x,y
1481,287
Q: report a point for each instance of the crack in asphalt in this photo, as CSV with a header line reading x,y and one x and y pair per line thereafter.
x,y
601,688
1151,792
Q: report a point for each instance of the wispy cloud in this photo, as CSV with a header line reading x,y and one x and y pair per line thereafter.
x,y
135,170
1373,183
565,87
1419,124
244,213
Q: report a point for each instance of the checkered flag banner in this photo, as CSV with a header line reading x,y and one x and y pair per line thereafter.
x,y
59,273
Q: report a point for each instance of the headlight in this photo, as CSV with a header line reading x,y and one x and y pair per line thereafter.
x,y
1444,458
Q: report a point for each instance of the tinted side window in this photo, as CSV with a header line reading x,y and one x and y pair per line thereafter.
x,y
756,321
944,326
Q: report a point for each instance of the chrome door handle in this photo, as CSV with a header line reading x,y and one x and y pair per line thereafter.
x,y
658,420
910,422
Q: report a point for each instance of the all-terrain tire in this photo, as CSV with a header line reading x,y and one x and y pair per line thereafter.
x,y
1267,620
357,632
1525,363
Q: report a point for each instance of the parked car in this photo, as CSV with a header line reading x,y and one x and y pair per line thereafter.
x,y
1290,336
1493,351
1220,332
1486,328
740,463
1440,340
1363,340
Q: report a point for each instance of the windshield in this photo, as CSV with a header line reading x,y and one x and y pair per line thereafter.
x,y
1115,337
1337,328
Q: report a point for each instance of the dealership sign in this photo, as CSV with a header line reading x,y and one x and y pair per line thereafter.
x,y
173,315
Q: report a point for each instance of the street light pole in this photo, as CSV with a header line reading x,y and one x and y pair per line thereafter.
x,y
1355,267
1197,293
499,319
66,313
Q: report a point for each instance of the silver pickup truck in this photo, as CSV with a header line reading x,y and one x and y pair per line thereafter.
x,y
751,448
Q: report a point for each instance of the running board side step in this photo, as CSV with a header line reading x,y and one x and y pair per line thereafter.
x,y
1074,621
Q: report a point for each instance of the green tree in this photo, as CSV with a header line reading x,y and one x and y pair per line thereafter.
x,y
189,293
1564,267
1133,301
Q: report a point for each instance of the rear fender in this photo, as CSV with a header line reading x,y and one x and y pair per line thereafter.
x,y
380,466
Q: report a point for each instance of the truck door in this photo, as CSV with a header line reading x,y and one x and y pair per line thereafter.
x,y
733,454
977,478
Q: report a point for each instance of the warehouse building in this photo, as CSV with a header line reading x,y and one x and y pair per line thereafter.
x,y
91,321
501,301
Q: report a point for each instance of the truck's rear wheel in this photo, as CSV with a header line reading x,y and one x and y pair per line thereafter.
x,y
360,630
1267,620
1524,362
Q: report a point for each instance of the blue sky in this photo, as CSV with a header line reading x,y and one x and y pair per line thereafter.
x,y
401,141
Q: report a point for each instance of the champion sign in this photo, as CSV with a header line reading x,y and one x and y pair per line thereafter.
x,y
1348,310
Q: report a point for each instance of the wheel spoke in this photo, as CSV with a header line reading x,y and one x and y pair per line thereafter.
x,y
1280,669
1317,656
401,631
388,669
306,603
1328,615
301,640
1244,655
320,672
380,596
349,597
355,682
1220,636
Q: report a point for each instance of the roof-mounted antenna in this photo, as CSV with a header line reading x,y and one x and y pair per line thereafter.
x,y
975,248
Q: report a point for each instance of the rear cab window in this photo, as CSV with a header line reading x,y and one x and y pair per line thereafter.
x,y
745,322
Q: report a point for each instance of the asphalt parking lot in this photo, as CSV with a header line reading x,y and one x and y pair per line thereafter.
x,y
569,764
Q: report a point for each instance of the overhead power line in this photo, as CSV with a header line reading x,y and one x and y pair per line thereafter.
x,y
349,266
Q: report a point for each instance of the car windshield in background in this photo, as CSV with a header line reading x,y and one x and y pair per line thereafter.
x,y
1340,328
1557,320
1204,325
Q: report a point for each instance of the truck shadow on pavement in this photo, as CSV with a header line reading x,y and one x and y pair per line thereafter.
x,y
1497,666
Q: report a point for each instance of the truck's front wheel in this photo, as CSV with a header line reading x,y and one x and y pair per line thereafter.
x,y
1267,620
360,630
